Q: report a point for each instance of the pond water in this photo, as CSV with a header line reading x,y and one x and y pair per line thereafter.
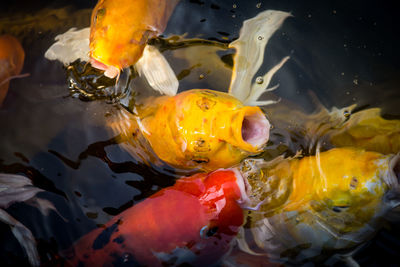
x,y
342,53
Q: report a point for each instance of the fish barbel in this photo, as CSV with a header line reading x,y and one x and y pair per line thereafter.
x,y
333,201
192,222
119,31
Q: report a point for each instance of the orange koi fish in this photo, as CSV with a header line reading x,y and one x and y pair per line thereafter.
x,y
191,222
198,128
11,61
333,201
120,30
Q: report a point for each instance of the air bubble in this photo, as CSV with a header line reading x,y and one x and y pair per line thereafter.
x,y
259,80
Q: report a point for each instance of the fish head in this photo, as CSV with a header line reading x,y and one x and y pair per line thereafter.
x,y
114,43
222,193
206,129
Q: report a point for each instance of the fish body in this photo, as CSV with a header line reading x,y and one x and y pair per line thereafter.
x,y
191,222
333,201
201,129
120,30
11,61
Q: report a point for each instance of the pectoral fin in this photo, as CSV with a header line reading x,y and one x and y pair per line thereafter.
x,y
70,46
24,237
15,188
158,73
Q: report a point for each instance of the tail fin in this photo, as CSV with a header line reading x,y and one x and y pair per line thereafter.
x,y
250,48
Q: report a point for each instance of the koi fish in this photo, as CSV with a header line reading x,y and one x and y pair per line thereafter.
x,y
11,61
198,129
191,222
333,201
119,31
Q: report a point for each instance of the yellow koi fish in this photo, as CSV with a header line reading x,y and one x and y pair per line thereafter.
x,y
318,204
120,29
198,129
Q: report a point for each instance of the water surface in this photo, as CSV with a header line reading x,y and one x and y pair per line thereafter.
x,y
342,52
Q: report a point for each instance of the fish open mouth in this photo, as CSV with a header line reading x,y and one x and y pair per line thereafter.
x,y
255,129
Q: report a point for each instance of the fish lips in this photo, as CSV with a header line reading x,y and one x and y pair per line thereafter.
x,y
109,71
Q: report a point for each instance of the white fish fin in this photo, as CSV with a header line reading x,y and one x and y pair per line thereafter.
x,y
70,46
24,237
346,259
13,180
44,206
15,188
18,188
258,88
262,102
158,73
250,48
242,244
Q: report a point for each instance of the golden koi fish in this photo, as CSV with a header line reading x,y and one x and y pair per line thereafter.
x,y
120,29
199,129
332,201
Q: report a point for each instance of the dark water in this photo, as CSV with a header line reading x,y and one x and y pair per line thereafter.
x,y
344,52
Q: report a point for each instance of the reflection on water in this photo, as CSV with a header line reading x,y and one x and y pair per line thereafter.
x,y
341,54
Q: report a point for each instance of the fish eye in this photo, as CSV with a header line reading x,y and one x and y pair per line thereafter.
x,y
339,209
207,232
100,13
